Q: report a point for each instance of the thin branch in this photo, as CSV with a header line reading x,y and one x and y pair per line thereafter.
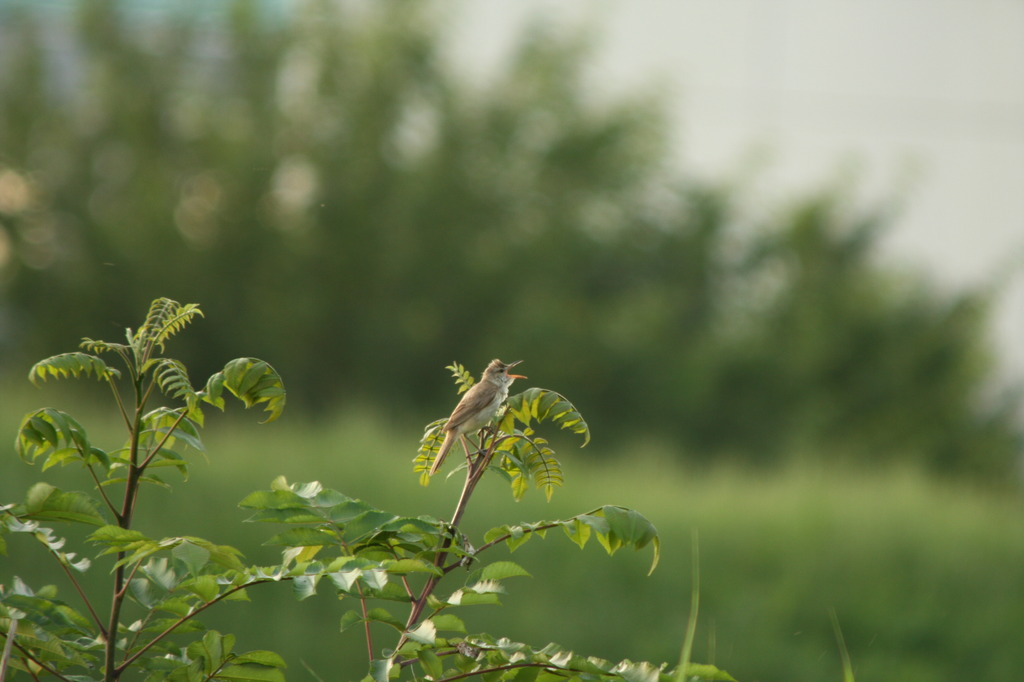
x,y
124,520
120,403
506,536
149,391
138,633
110,642
408,587
81,593
183,619
160,445
99,488
366,622
12,632
474,473
128,580
27,655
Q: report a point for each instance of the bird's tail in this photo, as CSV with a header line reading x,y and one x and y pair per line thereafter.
x,y
449,441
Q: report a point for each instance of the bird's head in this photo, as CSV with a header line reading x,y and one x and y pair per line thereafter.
x,y
497,368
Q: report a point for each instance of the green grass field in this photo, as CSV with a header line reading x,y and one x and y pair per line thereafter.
x,y
926,577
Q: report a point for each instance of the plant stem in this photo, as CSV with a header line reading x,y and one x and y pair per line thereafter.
x,y
160,445
124,520
28,656
81,593
474,473
366,623
12,632
192,614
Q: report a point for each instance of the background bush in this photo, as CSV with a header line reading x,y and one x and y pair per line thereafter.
x,y
411,219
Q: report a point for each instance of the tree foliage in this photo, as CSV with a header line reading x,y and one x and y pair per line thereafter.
x,y
407,213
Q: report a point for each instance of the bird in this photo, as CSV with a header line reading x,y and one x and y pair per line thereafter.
x,y
477,408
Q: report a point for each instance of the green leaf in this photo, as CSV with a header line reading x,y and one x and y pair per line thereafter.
x,y
141,590
447,622
430,662
205,587
380,669
463,378
165,318
350,618
704,671
637,672
365,524
118,539
375,578
529,457
630,527
470,596
381,615
162,421
214,391
94,346
249,673
192,556
424,633
259,657
344,580
252,381
304,586
58,437
540,404
224,556
404,566
304,537
578,532
50,614
74,364
499,570
430,443
160,572
48,503
172,378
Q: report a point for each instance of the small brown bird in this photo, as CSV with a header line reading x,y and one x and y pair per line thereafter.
x,y
477,408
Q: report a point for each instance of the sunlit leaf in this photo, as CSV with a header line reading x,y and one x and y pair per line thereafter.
x,y
541,405
424,633
73,364
165,318
463,377
252,381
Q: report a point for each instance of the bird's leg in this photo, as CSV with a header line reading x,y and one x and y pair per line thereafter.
x,y
479,451
465,446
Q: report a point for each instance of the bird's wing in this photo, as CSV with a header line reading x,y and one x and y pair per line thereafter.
x,y
468,407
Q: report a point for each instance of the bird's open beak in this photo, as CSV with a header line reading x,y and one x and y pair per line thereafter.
x,y
513,364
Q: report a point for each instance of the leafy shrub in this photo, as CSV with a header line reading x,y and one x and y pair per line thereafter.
x,y
374,560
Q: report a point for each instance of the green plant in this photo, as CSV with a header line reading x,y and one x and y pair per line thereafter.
x,y
157,586
370,557
377,561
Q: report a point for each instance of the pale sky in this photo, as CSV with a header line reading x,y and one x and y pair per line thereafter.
x,y
917,99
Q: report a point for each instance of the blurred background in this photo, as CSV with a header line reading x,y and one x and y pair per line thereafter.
x,y
771,252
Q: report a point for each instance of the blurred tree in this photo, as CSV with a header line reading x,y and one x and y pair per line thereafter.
x,y
415,219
